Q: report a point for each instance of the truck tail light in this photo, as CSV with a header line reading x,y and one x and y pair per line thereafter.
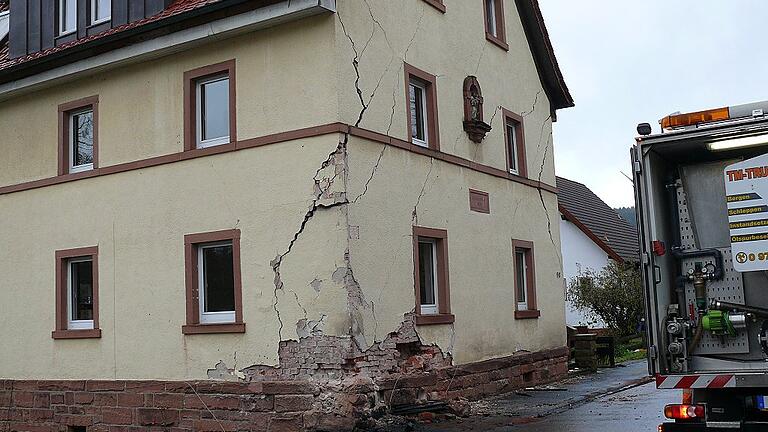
x,y
684,412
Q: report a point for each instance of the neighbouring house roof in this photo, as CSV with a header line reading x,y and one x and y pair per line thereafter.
x,y
543,54
580,206
11,69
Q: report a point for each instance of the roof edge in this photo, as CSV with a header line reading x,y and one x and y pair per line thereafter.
x,y
543,54
574,220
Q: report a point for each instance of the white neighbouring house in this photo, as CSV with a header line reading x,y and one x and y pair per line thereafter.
x,y
591,234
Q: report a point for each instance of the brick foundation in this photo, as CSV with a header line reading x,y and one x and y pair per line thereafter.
x,y
177,406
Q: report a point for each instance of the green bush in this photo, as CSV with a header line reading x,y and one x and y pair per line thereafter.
x,y
613,295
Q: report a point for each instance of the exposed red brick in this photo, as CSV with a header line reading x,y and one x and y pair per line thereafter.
x,y
293,403
286,424
288,387
259,403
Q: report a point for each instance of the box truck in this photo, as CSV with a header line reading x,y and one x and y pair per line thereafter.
x,y
701,191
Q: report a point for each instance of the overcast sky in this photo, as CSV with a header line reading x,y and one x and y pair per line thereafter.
x,y
628,62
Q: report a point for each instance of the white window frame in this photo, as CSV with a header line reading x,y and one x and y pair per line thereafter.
x,y
424,118
62,20
431,309
94,8
199,112
71,141
77,324
490,6
522,305
224,317
512,140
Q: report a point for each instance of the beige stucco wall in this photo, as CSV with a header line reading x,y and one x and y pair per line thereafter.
x,y
289,77
141,106
450,46
139,221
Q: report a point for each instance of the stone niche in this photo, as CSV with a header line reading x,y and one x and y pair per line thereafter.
x,y
474,125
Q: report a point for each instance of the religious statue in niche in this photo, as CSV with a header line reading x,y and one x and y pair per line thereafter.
x,y
473,110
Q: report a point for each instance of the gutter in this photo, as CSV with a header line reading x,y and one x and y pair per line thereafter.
x,y
218,21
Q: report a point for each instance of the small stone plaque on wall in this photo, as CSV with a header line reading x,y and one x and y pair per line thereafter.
x,y
479,201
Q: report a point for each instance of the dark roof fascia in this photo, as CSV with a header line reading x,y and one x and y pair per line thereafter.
x,y
574,220
544,55
126,37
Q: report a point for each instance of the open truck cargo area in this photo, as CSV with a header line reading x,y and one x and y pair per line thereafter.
x,y
701,190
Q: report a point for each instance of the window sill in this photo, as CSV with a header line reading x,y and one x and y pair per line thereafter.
x,y
527,314
213,328
76,334
437,4
435,319
497,41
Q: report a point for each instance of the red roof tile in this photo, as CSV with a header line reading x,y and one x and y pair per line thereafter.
x,y
179,7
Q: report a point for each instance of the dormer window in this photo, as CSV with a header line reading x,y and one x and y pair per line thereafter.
x,y
101,11
67,17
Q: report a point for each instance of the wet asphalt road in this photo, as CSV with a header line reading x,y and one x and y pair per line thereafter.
x,y
636,410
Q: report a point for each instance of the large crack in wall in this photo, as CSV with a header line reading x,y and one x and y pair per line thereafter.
x,y
332,359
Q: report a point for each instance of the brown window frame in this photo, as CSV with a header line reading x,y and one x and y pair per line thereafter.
x,y
444,315
499,39
429,82
522,163
61,330
532,312
191,243
64,112
190,105
437,4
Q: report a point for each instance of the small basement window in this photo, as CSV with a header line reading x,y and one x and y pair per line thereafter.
x,y
67,13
